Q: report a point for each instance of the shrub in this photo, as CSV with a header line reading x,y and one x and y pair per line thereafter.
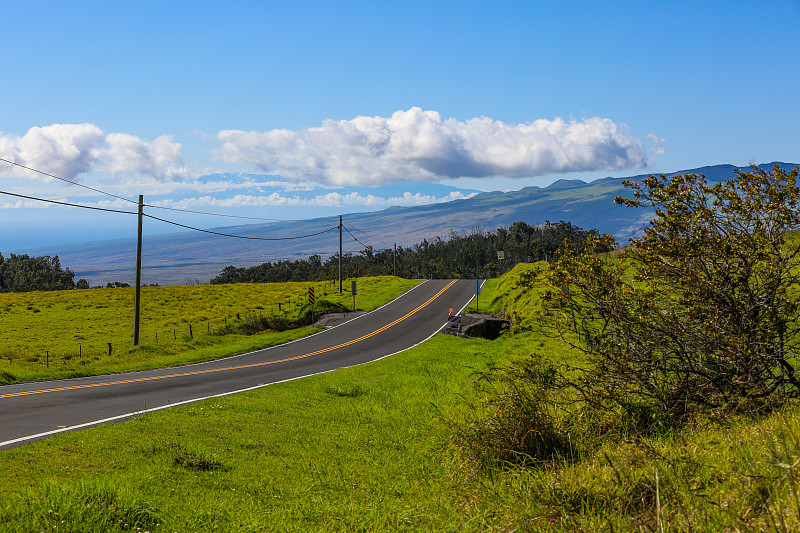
x,y
515,423
700,313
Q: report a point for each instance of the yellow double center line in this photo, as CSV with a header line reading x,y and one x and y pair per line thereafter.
x,y
208,371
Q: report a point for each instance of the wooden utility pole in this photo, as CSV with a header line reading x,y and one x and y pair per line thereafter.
x,y
340,254
138,285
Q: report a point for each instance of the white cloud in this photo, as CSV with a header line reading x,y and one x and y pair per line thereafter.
x,y
658,143
69,150
127,154
332,199
417,145
275,199
65,150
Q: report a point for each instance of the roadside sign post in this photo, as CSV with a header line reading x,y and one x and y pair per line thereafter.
x,y
477,295
354,295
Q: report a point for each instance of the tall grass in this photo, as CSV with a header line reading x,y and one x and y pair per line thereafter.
x,y
558,460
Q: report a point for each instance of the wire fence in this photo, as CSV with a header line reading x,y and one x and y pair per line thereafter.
x,y
168,337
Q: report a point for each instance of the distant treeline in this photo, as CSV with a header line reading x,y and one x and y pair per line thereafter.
x,y
20,273
465,255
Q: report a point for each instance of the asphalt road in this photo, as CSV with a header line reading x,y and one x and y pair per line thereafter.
x,y
32,411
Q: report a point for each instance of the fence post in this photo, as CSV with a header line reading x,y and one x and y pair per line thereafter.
x,y
190,332
109,348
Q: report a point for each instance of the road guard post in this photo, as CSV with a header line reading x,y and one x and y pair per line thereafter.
x,y
453,326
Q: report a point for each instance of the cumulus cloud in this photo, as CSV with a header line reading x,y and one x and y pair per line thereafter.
x,y
418,145
65,150
69,150
128,154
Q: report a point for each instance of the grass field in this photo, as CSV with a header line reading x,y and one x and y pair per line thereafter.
x,y
375,448
362,449
67,333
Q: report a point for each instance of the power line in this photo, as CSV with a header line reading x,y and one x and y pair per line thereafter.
x,y
67,203
224,215
68,181
146,205
169,221
354,237
242,236
364,232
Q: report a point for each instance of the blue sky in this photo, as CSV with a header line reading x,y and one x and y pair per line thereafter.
x,y
308,109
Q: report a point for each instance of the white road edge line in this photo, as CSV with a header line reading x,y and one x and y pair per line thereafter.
x,y
184,402
38,384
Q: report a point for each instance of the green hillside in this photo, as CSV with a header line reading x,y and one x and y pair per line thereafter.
x,y
59,334
388,447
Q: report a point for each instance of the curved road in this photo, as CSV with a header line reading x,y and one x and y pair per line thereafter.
x,y
31,411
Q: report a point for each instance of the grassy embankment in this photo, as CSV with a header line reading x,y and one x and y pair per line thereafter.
x,y
47,335
371,448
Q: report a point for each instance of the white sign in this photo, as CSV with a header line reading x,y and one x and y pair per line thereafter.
x,y
501,255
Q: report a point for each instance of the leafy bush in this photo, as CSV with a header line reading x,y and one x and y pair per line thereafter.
x,y
700,313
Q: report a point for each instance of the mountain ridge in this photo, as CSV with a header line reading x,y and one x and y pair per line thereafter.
x,y
183,257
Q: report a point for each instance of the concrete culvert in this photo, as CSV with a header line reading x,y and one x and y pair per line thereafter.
x,y
484,326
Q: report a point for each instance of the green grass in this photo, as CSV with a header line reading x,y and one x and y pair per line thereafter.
x,y
374,448
47,335
509,295
369,449
360,449
487,302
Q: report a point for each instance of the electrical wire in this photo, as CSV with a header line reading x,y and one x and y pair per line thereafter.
x,y
223,215
145,205
242,236
168,221
372,237
68,181
354,237
67,203
359,229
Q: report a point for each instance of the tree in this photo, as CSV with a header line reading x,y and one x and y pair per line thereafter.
x,y
701,311
20,273
459,255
